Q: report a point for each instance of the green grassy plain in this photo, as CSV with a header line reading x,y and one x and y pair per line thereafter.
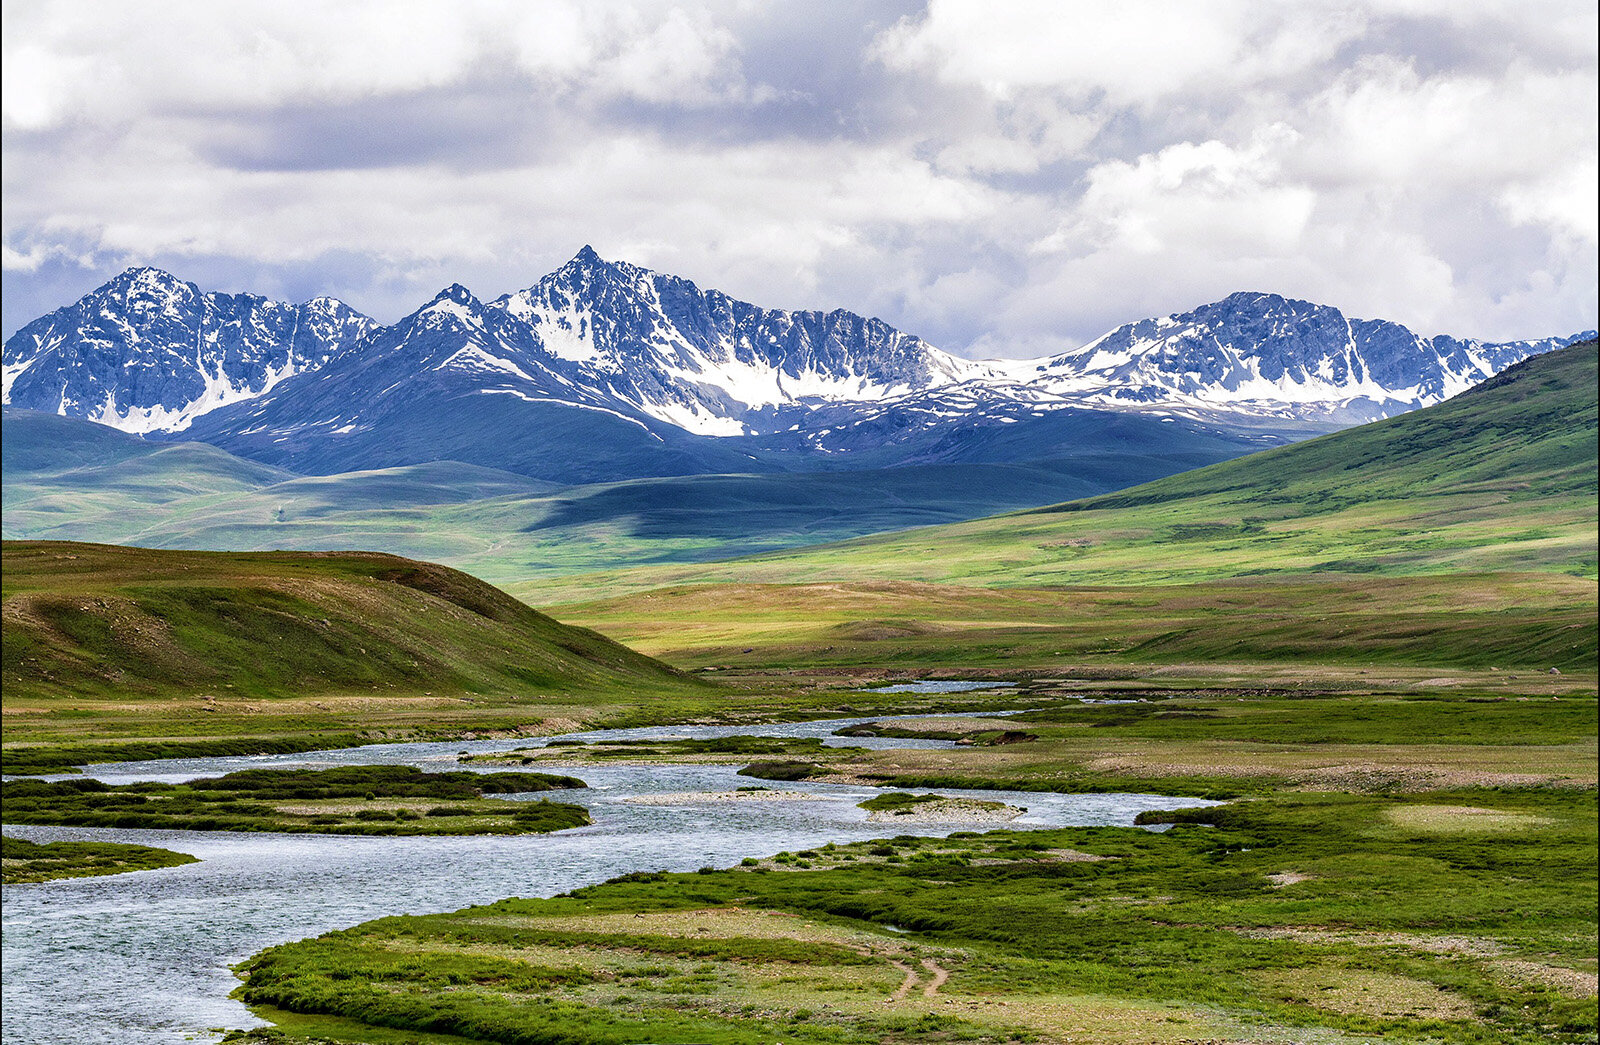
x,y
67,479
1314,917
1530,621
1378,648
1500,479
1463,534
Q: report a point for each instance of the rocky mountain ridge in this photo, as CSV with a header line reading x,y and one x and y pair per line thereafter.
x,y
148,352
652,375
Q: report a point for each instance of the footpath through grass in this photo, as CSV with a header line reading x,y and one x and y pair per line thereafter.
x,y
1412,867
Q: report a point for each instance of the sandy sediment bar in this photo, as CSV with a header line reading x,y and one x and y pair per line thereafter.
x,y
683,797
947,811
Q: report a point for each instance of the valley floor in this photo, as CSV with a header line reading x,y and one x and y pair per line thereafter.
x,y
1406,853
1400,857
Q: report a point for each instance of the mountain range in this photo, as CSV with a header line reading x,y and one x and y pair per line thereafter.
x,y
604,371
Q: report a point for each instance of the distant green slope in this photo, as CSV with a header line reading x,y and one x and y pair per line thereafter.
x,y
94,620
1501,478
1528,433
46,447
67,479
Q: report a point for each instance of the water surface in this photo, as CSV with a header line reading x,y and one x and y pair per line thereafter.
x,y
145,956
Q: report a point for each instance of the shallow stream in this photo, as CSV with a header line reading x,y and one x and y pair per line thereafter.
x,y
145,956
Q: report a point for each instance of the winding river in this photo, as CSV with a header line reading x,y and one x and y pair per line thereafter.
x,y
145,956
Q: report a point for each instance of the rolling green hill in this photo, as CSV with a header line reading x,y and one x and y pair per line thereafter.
x,y
195,643
1502,477
67,479
1461,534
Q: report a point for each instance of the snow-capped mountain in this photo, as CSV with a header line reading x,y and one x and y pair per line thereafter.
x,y
464,381
1265,355
606,370
713,365
149,352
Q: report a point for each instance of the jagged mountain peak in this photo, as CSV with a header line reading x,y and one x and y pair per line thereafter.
x,y
147,351
1263,354
452,318
145,282
587,269
145,274
709,362
453,295
1262,299
457,293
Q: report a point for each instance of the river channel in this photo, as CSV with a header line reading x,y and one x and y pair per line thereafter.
x,y
145,956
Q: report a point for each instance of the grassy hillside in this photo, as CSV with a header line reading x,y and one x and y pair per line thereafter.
x,y
1502,477
1461,534
67,479
198,643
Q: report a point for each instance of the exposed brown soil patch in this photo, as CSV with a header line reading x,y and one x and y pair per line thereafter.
x,y
1360,992
1462,819
1465,946
1575,983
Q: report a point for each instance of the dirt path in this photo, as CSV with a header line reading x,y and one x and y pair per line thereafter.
x,y
904,989
939,978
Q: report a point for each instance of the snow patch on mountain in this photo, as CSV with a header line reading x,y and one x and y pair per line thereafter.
x,y
148,352
706,362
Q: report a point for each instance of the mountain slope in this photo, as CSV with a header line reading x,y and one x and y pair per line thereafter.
x,y
1500,478
604,371
503,527
456,380
83,457
712,364
148,352
1529,433
1267,355
1461,535
91,620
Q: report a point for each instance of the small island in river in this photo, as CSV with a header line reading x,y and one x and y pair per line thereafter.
x,y
26,862
367,800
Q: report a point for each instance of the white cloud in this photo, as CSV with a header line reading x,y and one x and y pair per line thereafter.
x,y
1002,179
33,257
101,66
79,60
36,84
677,60
1192,195
1134,52
1382,122
1565,200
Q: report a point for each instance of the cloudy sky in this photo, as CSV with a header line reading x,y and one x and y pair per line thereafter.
x,y
1005,179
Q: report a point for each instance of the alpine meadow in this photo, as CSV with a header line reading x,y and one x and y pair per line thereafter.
x,y
976,536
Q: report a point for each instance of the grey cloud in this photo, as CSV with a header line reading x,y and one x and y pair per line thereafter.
x,y
493,176
450,127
